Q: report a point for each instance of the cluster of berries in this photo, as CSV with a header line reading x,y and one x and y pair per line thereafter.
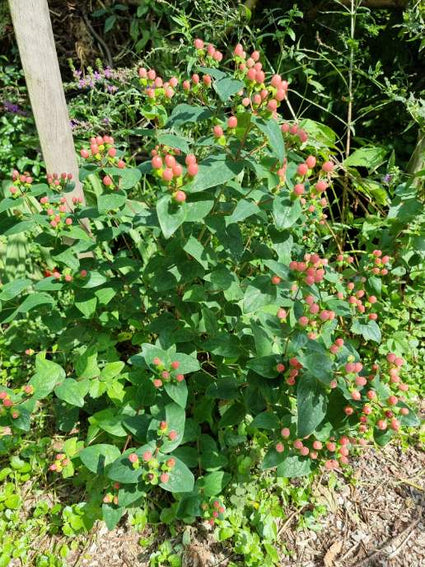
x,y
377,263
292,372
65,275
155,87
7,406
314,449
315,317
103,153
385,413
59,181
154,472
218,133
21,183
293,132
208,53
60,462
59,218
112,497
358,298
212,511
257,95
166,166
311,270
166,375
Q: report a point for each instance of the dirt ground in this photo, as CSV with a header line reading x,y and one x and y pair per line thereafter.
x,y
375,520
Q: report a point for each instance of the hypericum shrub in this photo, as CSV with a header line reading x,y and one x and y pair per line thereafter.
x,y
204,320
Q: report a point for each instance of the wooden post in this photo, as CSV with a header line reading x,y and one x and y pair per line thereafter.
x,y
34,35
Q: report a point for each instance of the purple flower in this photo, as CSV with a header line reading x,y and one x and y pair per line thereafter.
x,y
13,108
107,72
387,178
106,120
111,89
97,76
82,83
77,73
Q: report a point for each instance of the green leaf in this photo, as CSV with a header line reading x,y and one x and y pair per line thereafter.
x,y
180,480
97,457
30,302
265,420
271,129
111,370
319,132
86,364
13,288
86,303
170,215
214,171
184,113
319,365
110,201
264,365
234,415
72,392
371,158
110,421
197,210
285,212
258,294
213,483
311,404
197,251
175,416
188,363
111,515
211,457
370,331
177,392
126,178
227,87
48,375
242,211
173,141
122,470
272,459
294,466
224,389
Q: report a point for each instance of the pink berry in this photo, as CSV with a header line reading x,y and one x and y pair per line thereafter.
x,y
84,153
232,122
179,196
328,166
311,162
285,432
218,131
172,435
302,169
133,458
164,478
192,169
279,448
147,456
107,181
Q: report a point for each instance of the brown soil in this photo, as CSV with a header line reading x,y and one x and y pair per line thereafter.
x,y
376,519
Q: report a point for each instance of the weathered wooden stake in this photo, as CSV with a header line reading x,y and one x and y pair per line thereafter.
x,y
34,35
